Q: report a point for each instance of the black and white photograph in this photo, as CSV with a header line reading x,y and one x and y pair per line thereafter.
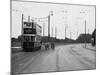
x,y
52,37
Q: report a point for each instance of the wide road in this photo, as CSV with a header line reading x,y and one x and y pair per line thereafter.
x,y
63,58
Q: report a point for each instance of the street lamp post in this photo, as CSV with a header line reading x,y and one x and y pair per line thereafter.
x,y
84,28
51,14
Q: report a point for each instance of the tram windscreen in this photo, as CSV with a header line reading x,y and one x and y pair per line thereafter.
x,y
29,38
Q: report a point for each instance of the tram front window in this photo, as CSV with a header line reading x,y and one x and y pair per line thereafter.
x,y
32,38
26,38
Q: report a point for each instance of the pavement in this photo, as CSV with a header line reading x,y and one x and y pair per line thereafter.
x,y
64,58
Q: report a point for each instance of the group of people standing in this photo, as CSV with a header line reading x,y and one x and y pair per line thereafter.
x,y
49,45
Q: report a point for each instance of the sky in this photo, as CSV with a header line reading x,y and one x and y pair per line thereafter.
x,y
72,17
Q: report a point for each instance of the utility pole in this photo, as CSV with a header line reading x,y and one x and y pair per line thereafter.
x,y
70,35
22,30
65,32
77,33
52,31
22,23
51,14
88,31
55,32
85,33
48,28
43,29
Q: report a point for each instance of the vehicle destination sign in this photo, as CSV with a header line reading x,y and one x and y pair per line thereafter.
x,y
27,25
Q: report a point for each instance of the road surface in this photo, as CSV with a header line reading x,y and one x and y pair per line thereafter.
x,y
63,58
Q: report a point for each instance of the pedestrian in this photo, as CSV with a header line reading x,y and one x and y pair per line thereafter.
x,y
52,45
46,46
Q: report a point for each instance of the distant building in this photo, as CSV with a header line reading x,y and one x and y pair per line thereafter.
x,y
84,38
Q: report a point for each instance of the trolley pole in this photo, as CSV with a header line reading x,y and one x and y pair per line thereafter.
x,y
32,23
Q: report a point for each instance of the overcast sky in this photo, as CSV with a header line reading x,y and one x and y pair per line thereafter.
x,y
71,16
